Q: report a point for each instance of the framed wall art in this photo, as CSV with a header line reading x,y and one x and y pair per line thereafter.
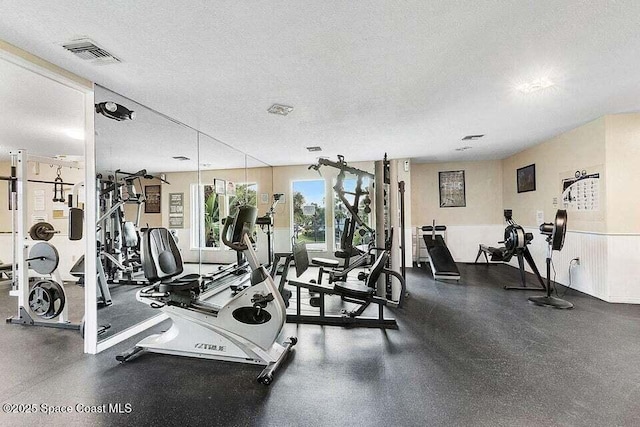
x,y
152,194
526,178
452,189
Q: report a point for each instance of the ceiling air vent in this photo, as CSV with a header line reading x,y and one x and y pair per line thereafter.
x,y
316,148
182,158
472,137
282,110
88,50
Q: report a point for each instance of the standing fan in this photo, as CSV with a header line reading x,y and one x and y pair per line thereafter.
x,y
555,233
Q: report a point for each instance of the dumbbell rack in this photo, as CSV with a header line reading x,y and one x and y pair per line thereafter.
x,y
21,288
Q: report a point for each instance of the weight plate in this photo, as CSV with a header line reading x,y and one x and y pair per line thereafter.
x,y
41,300
46,299
60,298
41,231
44,258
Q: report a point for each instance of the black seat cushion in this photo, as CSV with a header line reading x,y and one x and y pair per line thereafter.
x,y
351,289
325,262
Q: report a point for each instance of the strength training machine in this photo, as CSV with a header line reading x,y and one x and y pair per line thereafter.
x,y
361,294
41,301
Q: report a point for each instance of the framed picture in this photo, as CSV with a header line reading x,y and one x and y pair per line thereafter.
x,y
220,186
231,188
152,195
452,191
526,178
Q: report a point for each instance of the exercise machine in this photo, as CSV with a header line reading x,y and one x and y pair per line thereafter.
x,y
353,255
244,329
41,301
555,232
266,224
119,238
443,266
516,242
361,294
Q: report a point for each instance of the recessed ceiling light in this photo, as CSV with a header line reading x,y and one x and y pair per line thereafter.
x,y
464,148
181,158
315,148
76,134
282,110
536,85
472,137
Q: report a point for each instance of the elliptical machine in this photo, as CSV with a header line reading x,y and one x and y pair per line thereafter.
x,y
243,330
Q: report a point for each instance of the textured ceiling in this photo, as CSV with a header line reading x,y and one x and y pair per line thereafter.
x,y
38,114
410,78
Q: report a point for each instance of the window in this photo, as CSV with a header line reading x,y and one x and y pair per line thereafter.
x,y
206,215
209,209
308,212
340,212
246,194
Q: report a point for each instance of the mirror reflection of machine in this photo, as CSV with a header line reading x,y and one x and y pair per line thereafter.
x,y
555,232
266,224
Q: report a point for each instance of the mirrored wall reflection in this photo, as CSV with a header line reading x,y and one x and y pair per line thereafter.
x,y
45,121
145,165
259,178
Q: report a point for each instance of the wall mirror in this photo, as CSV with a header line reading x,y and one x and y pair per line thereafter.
x,y
144,168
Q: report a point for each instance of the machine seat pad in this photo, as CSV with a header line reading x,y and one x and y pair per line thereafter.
x,y
178,285
352,289
325,262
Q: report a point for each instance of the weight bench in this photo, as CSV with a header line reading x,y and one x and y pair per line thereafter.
x,y
362,294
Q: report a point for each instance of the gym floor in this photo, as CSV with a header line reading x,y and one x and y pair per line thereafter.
x,y
465,354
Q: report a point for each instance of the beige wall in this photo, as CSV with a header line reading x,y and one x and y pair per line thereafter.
x,y
13,50
483,187
582,148
623,179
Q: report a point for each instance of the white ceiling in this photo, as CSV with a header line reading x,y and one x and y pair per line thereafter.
x,y
38,114
410,78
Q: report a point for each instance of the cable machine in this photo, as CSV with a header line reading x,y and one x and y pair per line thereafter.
x,y
43,303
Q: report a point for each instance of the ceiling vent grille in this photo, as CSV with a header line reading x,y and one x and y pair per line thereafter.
x,y
316,148
472,137
181,158
88,50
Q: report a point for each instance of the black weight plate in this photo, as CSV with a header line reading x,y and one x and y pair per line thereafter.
x,y
41,231
41,299
46,299
60,300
